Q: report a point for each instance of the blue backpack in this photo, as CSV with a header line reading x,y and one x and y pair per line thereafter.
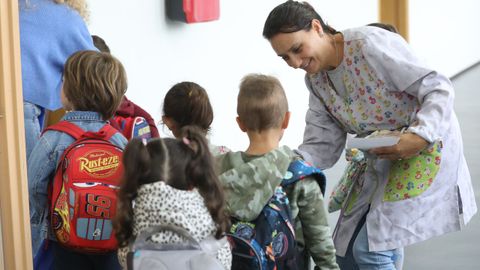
x,y
268,242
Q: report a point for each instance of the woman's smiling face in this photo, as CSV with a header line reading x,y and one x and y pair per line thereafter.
x,y
308,50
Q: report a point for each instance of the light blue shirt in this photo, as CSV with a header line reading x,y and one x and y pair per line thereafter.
x,y
49,34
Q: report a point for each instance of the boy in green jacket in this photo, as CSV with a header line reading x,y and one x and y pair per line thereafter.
x,y
249,178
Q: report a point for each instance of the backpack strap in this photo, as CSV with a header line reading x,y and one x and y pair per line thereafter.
x,y
281,208
299,169
106,132
109,131
141,241
114,124
67,127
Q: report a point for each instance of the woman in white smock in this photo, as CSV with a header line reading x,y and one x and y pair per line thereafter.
x,y
363,80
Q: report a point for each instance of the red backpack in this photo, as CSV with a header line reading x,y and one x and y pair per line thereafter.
x,y
84,189
132,126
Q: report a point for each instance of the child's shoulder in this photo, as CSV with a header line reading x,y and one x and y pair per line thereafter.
x,y
217,150
240,168
277,158
227,161
303,174
308,185
52,138
54,134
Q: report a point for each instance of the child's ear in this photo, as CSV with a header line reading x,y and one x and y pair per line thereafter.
x,y
67,105
241,125
286,120
168,122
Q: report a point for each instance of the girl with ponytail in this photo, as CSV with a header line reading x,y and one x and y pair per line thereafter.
x,y
171,182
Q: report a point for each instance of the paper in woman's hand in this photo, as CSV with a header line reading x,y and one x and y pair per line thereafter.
x,y
376,139
368,143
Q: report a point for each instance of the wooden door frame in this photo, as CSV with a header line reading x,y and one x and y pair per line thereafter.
x,y
394,12
14,211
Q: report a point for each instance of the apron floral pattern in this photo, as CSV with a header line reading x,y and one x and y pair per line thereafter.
x,y
367,104
411,177
355,169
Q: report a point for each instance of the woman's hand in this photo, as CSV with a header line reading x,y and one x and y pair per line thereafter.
x,y
409,145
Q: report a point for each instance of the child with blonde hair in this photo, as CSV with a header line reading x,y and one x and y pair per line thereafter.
x,y
252,178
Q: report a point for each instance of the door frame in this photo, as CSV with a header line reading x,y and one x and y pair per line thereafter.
x,y
14,212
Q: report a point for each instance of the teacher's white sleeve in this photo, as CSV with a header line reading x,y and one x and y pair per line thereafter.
x,y
393,57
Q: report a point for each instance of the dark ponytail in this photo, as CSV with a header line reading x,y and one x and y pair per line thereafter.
x,y
201,174
135,160
142,164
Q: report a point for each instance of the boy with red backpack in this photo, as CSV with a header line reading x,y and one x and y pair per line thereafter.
x,y
74,169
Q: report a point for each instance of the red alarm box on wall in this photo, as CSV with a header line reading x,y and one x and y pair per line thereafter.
x,y
201,10
193,11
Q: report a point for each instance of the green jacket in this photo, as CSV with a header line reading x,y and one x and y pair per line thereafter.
x,y
249,182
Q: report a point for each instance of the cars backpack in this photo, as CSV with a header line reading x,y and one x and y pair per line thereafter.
x,y
132,126
188,255
268,242
84,190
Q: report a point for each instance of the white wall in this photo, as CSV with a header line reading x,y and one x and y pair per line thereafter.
x,y
158,53
446,33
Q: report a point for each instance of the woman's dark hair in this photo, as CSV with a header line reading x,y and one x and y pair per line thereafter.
x,y
187,103
292,16
385,26
182,163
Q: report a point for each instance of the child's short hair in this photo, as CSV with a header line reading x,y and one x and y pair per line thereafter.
x,y
94,81
187,103
261,102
